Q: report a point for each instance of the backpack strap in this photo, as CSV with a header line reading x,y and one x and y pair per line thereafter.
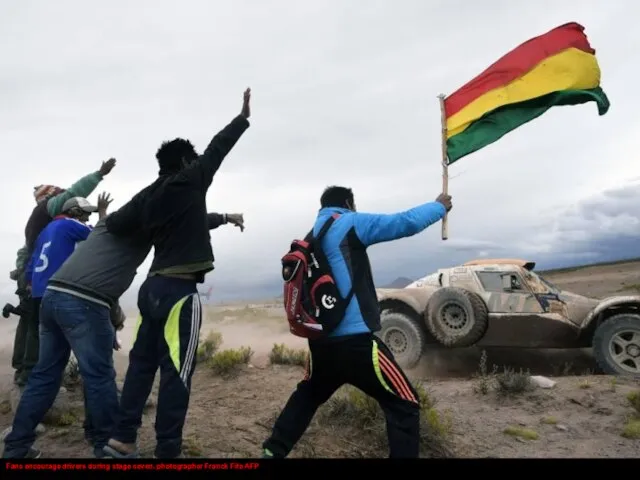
x,y
319,238
325,227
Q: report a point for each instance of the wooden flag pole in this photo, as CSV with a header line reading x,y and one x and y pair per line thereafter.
x,y
445,164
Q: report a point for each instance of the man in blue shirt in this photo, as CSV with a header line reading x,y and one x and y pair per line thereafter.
x,y
351,354
57,242
54,246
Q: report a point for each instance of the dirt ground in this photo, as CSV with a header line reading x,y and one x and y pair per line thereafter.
x,y
583,415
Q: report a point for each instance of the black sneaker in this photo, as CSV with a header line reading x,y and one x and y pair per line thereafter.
x,y
33,453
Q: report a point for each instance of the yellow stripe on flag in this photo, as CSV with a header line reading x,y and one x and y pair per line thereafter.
x,y
571,69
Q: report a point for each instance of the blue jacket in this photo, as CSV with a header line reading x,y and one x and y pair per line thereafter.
x,y
54,245
345,245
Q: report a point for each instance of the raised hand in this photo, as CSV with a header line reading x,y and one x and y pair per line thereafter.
x,y
104,200
107,166
246,108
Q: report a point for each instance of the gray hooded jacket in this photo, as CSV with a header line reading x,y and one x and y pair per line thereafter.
x,y
102,267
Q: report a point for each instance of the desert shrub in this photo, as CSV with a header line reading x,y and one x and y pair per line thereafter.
x,y
510,382
228,362
209,346
62,417
282,355
484,379
634,400
355,414
192,447
71,377
631,429
585,384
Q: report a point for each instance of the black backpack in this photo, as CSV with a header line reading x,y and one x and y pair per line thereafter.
x,y
312,300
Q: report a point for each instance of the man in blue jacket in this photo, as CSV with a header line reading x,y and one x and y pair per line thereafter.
x,y
351,354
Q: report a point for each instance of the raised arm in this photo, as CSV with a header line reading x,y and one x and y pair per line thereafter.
x,y
202,170
126,220
82,188
377,228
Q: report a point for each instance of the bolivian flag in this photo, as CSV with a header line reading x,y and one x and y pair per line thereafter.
x,y
557,68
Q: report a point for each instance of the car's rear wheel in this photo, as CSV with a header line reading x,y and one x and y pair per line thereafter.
x,y
456,317
403,335
616,345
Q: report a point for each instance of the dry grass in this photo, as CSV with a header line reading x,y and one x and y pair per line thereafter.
x,y
5,407
209,346
631,429
549,420
192,447
510,382
507,383
61,419
585,384
227,363
484,379
359,420
634,400
635,287
283,355
521,432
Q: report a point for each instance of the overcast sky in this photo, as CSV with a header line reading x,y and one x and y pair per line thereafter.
x,y
344,92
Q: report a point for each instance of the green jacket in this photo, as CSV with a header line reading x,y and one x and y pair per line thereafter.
x,y
82,188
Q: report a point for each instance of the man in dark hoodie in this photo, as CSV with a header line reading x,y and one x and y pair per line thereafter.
x,y
172,213
49,202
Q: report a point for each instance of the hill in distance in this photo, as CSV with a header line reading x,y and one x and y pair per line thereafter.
x,y
399,282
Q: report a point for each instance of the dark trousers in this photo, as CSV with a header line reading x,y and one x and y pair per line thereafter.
x,y
69,324
167,338
365,362
27,341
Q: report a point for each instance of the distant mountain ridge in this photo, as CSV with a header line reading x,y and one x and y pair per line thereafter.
x,y
399,282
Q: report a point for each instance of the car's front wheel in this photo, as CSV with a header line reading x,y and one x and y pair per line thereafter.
x,y
403,336
616,345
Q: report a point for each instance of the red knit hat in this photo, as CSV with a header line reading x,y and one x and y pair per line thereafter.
x,y
42,192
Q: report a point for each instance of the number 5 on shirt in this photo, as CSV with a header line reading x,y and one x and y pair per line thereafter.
x,y
43,257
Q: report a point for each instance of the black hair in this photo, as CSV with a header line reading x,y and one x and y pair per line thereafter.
x,y
335,196
170,155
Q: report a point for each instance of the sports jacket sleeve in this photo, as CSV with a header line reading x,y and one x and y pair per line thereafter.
x,y
28,269
214,220
82,188
202,170
374,228
22,256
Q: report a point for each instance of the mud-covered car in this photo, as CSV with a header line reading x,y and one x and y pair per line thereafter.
x,y
504,303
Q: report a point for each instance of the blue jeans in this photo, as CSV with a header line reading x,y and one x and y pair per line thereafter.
x,y
68,323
